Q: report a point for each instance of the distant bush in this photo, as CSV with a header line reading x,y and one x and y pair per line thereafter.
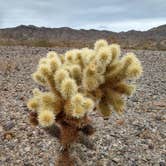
x,y
147,45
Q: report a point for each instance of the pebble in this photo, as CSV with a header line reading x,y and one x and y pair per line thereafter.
x,y
1,128
27,149
162,164
8,126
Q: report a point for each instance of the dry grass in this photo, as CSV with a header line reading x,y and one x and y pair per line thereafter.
x,y
47,43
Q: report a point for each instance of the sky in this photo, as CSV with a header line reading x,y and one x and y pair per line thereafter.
x,y
113,15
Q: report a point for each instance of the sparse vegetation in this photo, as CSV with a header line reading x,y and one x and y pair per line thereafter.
x,y
46,43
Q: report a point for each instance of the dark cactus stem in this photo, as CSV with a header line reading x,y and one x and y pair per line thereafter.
x,y
33,118
54,131
88,130
64,158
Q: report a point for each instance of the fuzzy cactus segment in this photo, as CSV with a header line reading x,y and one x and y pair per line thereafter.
x,y
46,118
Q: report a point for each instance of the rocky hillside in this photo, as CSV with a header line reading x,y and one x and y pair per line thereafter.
x,y
154,39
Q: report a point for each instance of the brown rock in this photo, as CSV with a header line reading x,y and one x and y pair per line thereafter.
x,y
8,135
159,103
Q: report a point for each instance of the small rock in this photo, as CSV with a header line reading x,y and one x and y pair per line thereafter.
x,y
151,146
116,160
22,98
27,149
158,118
135,99
1,128
159,103
51,164
133,163
5,89
8,126
102,162
8,135
120,122
162,163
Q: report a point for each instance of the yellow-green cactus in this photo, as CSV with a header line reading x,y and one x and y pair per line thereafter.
x,y
85,70
81,81
82,72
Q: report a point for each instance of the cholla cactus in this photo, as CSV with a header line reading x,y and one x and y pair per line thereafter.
x,y
78,82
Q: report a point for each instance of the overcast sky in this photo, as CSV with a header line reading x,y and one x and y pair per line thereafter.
x,y
114,15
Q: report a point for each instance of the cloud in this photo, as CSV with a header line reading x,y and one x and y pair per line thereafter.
x,y
115,15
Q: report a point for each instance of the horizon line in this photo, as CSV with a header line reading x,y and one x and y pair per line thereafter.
x,y
58,27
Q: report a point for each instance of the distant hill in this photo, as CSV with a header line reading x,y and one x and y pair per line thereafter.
x,y
154,39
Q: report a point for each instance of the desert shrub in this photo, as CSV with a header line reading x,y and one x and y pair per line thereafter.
x,y
41,43
78,82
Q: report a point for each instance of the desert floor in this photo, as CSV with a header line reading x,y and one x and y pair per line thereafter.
x,y
136,138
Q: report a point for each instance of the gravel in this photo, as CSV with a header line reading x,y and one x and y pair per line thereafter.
x,y
137,138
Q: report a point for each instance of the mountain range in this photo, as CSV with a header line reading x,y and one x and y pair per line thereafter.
x,y
153,39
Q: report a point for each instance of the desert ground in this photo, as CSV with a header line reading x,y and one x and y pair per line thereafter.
x,y
137,138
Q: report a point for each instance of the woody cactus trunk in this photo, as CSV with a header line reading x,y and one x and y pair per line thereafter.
x,y
78,82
